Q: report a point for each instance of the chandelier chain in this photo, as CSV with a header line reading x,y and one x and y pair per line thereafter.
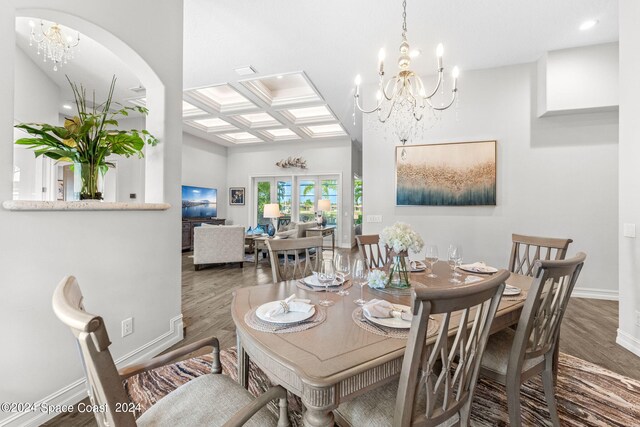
x,y
404,18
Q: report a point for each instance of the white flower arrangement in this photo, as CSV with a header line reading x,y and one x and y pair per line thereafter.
x,y
400,238
377,279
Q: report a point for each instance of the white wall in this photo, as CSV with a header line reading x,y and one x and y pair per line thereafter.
x,y
556,177
204,164
579,79
128,263
323,157
37,102
629,329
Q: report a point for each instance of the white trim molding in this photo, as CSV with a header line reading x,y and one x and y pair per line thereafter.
x,y
631,343
76,391
595,293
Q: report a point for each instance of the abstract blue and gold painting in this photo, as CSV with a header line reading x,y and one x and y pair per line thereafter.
x,y
454,174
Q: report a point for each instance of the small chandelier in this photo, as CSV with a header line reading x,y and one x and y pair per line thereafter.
x,y
53,44
403,99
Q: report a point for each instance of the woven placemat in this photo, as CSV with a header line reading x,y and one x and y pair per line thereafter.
x,y
389,332
399,291
252,320
304,287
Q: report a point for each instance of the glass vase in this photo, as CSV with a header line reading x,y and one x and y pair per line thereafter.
x,y
398,273
88,181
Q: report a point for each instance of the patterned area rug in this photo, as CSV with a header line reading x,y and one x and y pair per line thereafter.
x,y
587,394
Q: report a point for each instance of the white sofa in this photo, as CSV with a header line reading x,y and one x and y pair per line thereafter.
x,y
216,244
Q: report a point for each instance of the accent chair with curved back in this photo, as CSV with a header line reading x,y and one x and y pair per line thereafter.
x,y
512,357
437,380
209,400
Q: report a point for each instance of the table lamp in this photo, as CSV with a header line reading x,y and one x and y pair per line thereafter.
x,y
324,205
272,210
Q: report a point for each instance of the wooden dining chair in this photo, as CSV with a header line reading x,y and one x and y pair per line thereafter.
x,y
511,358
209,400
437,380
370,249
526,250
294,258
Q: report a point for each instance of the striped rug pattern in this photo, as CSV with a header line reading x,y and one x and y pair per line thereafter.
x,y
587,394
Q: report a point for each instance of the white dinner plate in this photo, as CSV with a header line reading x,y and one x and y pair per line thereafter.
x,y
391,322
313,281
511,290
485,270
290,317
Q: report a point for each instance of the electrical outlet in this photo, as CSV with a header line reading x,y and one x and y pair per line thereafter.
x,y
374,218
127,327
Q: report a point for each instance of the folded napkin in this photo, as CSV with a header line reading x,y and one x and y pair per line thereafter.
x,y
291,304
472,279
418,265
382,308
511,290
478,267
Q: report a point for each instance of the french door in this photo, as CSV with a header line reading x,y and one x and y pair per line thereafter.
x,y
298,197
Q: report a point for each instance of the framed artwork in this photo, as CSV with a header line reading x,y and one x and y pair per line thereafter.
x,y
454,174
236,196
60,190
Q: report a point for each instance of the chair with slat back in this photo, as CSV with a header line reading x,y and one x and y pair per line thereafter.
x,y
526,250
511,358
437,380
185,406
370,249
294,258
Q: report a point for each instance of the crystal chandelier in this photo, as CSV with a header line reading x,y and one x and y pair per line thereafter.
x,y
403,99
53,44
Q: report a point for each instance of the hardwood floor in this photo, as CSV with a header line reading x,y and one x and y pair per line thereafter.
x,y
588,329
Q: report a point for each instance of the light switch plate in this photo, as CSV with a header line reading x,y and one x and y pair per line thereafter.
x,y
629,230
374,218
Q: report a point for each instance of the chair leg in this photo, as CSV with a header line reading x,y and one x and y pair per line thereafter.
x,y
513,401
548,380
465,414
283,420
197,267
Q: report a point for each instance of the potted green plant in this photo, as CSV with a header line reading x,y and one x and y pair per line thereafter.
x,y
88,139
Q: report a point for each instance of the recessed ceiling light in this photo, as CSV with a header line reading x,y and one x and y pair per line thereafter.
x,y
587,25
66,107
245,71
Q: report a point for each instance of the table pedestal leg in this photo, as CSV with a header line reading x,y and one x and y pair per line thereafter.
x,y
318,418
243,365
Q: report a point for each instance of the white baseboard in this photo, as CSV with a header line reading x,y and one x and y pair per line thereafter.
x,y
76,391
629,342
595,293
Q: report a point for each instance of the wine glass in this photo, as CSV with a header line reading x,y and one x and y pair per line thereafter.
x,y
342,264
326,274
360,276
455,257
431,257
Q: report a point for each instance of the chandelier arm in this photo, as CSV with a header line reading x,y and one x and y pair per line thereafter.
x,y
357,101
76,43
35,38
435,90
388,114
453,98
385,87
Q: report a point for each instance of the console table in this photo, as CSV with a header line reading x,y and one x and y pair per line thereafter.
x,y
189,224
323,232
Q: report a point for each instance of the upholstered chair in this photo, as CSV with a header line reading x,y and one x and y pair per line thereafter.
x,y
217,244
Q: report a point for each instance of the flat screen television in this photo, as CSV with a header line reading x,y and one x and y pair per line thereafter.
x,y
199,202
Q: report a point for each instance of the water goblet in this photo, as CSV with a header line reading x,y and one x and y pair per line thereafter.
x,y
431,257
342,264
454,256
326,274
360,276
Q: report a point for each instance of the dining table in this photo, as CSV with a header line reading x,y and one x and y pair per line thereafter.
x,y
337,360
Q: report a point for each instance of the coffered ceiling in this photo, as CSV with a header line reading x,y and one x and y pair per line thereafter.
x,y
306,54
